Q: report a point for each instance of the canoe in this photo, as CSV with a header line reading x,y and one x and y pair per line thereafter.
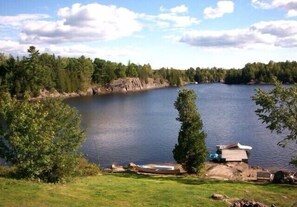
x,y
158,169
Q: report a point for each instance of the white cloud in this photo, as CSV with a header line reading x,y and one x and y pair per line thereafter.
x,y
262,34
77,50
280,29
223,7
240,39
175,17
91,22
263,4
82,23
287,42
167,20
179,9
13,47
290,6
292,13
18,20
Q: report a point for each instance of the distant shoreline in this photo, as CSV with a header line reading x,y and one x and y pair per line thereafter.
x,y
119,86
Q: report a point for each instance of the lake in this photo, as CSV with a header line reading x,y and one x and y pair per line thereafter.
x,y
141,127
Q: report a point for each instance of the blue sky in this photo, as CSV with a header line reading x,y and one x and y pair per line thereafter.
x,y
164,33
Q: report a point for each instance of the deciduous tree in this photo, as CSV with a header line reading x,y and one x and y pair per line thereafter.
x,y
278,109
40,138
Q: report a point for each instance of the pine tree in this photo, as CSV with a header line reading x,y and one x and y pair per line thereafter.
x,y
191,150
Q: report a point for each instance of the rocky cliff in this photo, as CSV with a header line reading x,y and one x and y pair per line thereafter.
x,y
130,85
123,85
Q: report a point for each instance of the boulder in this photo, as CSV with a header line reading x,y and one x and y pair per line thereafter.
x,y
217,196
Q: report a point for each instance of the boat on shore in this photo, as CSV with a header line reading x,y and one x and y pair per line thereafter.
x,y
157,169
234,146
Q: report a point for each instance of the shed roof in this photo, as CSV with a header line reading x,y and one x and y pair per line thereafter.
x,y
234,155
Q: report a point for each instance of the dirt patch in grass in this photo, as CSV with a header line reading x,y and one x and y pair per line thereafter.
x,y
231,171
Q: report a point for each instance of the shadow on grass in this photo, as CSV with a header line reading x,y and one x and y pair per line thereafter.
x,y
195,180
184,179
292,186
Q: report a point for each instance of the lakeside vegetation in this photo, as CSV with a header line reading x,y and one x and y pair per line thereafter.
x,y
190,151
126,189
35,72
41,139
51,162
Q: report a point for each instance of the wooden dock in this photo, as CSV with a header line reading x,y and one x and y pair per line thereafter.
x,y
234,155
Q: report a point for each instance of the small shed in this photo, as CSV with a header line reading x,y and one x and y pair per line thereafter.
x,y
234,155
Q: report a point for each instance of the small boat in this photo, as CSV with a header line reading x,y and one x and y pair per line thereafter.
x,y
231,152
244,147
157,169
234,146
215,157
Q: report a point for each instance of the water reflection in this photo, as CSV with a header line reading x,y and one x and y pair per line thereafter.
x,y
141,127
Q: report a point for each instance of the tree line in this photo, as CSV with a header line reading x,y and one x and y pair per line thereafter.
x,y
41,138
285,72
35,72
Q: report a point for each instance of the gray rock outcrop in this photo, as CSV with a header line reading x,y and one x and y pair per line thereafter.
x,y
122,85
125,85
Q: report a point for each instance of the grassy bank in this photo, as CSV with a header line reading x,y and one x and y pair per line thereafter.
x,y
137,190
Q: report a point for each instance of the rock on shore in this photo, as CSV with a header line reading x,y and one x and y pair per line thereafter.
x,y
125,85
122,85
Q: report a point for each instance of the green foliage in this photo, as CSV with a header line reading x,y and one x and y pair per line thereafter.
x,y
285,72
120,71
191,150
34,73
7,171
131,70
173,76
37,72
278,109
206,75
107,71
98,74
85,72
40,138
233,76
4,73
62,79
85,168
145,72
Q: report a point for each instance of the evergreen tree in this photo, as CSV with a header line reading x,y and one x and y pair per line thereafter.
x,y
120,71
33,72
191,150
131,70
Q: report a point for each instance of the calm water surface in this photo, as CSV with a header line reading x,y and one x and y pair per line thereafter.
x,y
141,127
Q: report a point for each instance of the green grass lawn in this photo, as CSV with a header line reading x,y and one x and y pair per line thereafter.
x,y
126,189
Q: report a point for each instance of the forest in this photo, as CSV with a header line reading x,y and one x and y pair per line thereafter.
x,y
35,72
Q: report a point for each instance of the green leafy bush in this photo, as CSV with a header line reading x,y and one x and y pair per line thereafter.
x,y
7,171
41,138
86,168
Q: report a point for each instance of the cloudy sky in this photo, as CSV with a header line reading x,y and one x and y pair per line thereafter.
x,y
164,33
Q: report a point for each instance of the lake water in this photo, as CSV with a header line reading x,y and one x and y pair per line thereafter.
x,y
141,127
